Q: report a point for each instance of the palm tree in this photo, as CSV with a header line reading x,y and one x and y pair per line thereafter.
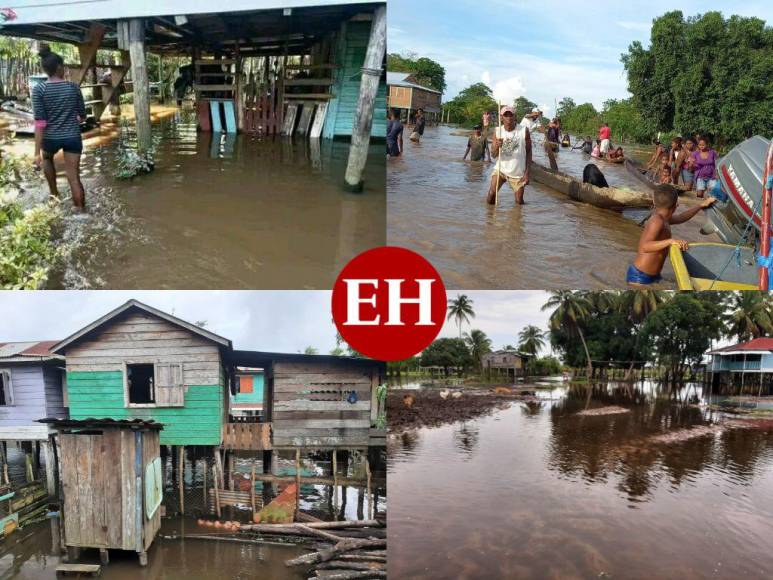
x,y
750,315
478,343
569,310
460,309
638,305
531,340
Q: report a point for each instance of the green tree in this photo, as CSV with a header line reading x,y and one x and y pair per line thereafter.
x,y
425,71
522,105
461,310
545,366
310,350
447,353
531,340
638,305
565,107
468,106
569,311
680,331
749,315
478,343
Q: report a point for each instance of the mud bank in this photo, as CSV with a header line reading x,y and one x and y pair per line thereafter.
x,y
430,409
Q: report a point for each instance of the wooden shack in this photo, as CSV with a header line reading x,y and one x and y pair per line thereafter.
x,y
408,96
137,362
314,401
31,388
505,363
111,485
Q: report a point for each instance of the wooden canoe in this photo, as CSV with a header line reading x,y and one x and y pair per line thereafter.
x,y
714,266
639,172
617,160
604,197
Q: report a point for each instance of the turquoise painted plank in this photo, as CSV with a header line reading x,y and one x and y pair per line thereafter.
x,y
214,109
230,116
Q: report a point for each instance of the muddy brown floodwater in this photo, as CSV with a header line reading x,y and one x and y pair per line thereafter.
x,y
222,212
32,555
436,206
536,491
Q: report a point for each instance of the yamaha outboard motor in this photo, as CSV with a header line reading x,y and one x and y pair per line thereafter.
x,y
740,175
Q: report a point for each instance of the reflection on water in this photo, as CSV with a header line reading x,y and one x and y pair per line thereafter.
x,y
437,207
222,211
536,491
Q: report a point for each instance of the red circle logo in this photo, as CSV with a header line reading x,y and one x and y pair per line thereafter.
x,y
389,303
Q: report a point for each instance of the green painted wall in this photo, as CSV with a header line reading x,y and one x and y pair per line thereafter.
x,y
100,395
256,396
340,119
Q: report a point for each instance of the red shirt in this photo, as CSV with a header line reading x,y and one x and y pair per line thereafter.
x,y
604,133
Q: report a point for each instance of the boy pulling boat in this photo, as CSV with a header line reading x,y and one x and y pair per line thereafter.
x,y
512,145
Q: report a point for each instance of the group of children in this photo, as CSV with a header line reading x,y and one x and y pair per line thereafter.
x,y
691,161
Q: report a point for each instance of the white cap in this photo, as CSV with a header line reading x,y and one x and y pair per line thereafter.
x,y
536,110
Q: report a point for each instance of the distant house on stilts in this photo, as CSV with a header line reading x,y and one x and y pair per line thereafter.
x,y
747,366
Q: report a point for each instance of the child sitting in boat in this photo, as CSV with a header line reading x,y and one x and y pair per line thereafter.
x,y
656,238
615,154
596,149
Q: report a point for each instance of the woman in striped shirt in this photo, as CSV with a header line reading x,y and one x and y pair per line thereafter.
x,y
59,108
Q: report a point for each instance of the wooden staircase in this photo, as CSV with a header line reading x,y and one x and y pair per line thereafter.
x,y
97,95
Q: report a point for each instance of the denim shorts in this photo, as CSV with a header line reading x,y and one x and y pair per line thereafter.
x,y
704,184
636,276
688,176
69,145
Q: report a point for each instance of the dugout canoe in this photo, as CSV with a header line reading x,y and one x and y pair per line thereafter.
x,y
714,266
639,172
604,197
617,160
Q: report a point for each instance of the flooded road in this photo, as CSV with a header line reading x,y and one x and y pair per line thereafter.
x,y
221,212
536,491
437,207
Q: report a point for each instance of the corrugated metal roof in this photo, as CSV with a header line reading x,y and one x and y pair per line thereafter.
x,y
51,11
96,423
398,79
32,349
759,344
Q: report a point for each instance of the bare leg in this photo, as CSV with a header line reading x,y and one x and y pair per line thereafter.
x,y
50,172
493,190
519,195
72,165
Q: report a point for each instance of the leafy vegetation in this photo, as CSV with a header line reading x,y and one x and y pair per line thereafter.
x,y
425,71
461,310
447,353
27,253
704,74
468,106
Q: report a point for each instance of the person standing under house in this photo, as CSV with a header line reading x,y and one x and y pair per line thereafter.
x,y
512,145
59,110
394,136
477,146
418,126
604,136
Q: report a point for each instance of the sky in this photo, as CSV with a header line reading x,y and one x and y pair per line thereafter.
x,y
542,50
282,321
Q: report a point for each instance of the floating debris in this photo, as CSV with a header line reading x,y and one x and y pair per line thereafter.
x,y
609,410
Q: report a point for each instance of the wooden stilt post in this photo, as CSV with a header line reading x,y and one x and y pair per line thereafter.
x,y
335,480
370,497
48,457
219,479
204,485
140,83
297,481
217,492
181,475
252,491
28,465
363,120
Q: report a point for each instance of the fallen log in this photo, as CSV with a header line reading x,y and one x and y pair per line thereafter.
x,y
339,548
362,558
341,565
316,532
335,575
316,525
304,517
223,539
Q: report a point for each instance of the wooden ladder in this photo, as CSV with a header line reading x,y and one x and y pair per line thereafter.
x,y
79,73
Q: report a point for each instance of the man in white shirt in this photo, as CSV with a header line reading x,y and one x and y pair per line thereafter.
x,y
512,145
531,120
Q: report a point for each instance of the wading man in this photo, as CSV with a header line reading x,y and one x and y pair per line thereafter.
x,y
512,145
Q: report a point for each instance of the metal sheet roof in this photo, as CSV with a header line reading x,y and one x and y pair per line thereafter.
x,y
398,79
33,350
52,11
756,346
136,424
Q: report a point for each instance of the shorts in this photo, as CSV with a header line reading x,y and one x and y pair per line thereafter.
x,y
70,145
415,136
688,176
604,146
636,276
704,184
516,182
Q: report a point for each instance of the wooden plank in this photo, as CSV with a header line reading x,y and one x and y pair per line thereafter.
x,y
202,113
213,88
119,352
333,396
305,120
289,121
319,120
141,87
285,416
230,117
354,366
332,406
282,424
129,531
84,445
101,465
94,569
321,66
306,83
112,447
213,61
309,97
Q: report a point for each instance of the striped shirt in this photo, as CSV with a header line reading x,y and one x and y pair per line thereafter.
x,y
57,106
